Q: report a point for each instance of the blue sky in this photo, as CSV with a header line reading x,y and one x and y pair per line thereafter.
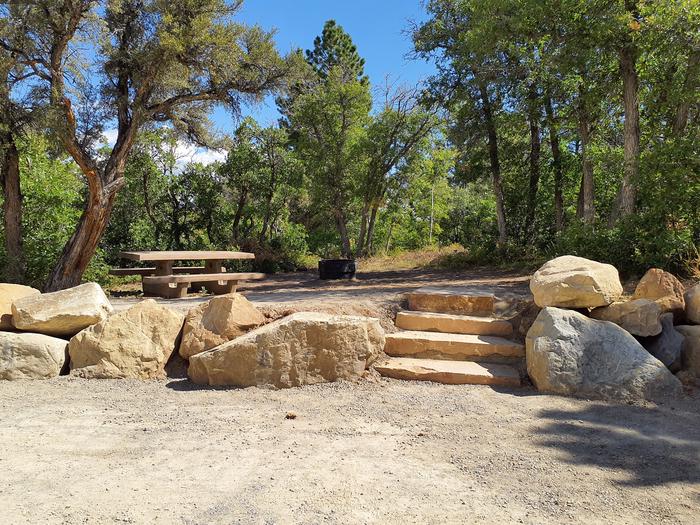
x,y
376,26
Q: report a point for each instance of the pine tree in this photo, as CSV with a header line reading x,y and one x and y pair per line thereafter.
x,y
334,49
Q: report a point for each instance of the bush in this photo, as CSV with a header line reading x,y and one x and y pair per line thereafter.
x,y
633,246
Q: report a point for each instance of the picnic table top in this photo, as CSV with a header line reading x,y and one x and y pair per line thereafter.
x,y
185,255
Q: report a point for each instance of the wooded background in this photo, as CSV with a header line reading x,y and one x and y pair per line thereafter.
x,y
551,127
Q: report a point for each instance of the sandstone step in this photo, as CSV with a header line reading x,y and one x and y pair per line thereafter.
x,y
449,372
450,346
450,301
452,323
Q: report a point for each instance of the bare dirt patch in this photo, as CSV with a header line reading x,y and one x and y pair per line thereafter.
x,y
78,451
376,294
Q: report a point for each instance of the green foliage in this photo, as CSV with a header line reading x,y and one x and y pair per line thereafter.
x,y
334,50
350,174
516,57
51,206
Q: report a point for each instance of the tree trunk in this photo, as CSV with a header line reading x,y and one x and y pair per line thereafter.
x,y
370,228
627,196
495,164
343,231
268,205
388,236
535,153
82,245
149,209
556,165
12,210
364,219
587,208
579,200
691,80
235,228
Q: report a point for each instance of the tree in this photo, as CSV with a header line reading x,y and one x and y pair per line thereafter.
x,y
334,50
459,37
329,122
16,113
629,54
158,62
393,137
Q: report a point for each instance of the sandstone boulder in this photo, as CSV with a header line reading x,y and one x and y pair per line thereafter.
x,y
575,282
664,288
31,356
211,324
690,358
666,346
8,294
135,343
569,353
639,316
63,313
304,348
692,304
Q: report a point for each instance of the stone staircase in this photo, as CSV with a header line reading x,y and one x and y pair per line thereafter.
x,y
452,336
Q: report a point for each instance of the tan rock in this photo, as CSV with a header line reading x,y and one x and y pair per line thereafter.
x,y
8,294
664,288
690,349
31,356
304,348
639,316
211,324
452,323
692,304
569,353
454,300
135,343
63,313
449,372
450,346
575,282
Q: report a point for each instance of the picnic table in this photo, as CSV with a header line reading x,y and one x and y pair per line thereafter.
x,y
169,281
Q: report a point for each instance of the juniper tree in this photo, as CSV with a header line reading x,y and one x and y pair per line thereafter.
x,y
157,62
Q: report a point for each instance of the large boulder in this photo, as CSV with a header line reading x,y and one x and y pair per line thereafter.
x,y
31,356
691,349
575,282
304,348
213,323
135,343
692,304
63,313
662,287
639,317
8,294
667,346
569,353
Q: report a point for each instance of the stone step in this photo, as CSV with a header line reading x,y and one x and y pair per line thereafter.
x,y
463,347
452,323
450,301
449,372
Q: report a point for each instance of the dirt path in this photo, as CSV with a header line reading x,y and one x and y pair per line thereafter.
x,y
376,294
75,451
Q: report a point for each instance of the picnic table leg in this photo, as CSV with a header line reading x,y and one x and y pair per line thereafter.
x,y
213,267
215,287
163,290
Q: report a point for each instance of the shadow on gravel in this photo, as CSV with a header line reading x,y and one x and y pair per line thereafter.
x,y
653,446
185,385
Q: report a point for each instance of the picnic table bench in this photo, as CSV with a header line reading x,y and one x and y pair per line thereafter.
x,y
166,280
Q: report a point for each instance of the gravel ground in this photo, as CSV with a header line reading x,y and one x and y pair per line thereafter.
x,y
381,451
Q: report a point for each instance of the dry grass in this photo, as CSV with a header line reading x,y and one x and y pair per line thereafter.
x,y
408,260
